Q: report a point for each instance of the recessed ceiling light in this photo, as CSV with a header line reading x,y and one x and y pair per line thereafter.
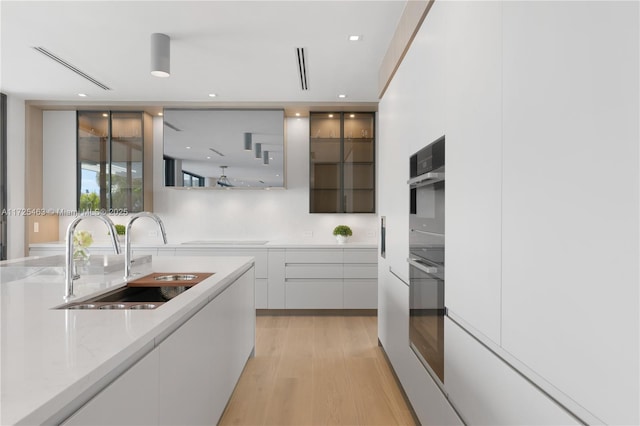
x,y
297,114
208,158
342,96
188,147
212,95
82,95
160,114
330,115
104,114
354,38
277,175
352,115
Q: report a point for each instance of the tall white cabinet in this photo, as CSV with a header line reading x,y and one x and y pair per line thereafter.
x,y
541,107
570,199
473,104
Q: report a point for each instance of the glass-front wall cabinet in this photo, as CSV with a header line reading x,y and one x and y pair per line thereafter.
x,y
342,162
110,160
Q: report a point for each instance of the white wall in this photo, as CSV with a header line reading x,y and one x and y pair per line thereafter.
x,y
15,175
274,215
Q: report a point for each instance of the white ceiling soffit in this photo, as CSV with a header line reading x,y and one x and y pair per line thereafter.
x,y
240,50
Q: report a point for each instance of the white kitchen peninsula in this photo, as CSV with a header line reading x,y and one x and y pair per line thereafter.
x,y
175,364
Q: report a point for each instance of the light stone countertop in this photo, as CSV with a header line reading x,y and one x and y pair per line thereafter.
x,y
236,244
50,358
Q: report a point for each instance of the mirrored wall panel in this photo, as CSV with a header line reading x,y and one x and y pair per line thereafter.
x,y
224,149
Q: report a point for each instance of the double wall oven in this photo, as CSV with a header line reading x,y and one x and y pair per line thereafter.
x,y
426,257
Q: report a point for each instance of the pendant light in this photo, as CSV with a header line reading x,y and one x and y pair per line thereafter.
x,y
160,55
247,141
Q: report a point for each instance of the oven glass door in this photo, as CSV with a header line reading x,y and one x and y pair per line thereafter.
x,y
426,316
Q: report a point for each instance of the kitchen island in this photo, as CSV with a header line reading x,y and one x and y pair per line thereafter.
x,y
174,364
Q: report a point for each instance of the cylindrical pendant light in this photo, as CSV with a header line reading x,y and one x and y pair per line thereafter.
x,y
247,141
265,158
258,150
160,55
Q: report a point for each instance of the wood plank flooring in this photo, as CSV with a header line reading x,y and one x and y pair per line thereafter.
x,y
317,370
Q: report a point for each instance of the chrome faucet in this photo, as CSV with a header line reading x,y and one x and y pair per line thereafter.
x,y
128,260
69,272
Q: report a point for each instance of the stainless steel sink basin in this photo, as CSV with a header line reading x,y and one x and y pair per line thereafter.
x,y
176,277
129,298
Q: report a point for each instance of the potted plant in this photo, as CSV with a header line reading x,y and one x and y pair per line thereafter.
x,y
342,233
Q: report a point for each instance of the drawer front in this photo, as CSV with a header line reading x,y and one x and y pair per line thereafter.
x,y
259,255
360,256
360,294
314,256
313,271
313,295
262,293
360,271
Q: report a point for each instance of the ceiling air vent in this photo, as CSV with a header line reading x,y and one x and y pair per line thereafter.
x,y
171,126
67,65
217,152
302,67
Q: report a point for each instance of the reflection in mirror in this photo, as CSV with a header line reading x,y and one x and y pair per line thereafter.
x,y
224,149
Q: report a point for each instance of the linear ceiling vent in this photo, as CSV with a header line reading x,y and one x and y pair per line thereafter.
x,y
70,67
217,152
171,126
302,67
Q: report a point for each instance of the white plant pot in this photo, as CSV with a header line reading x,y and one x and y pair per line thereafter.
x,y
341,239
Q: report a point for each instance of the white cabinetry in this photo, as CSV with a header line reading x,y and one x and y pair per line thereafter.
x,y
202,360
487,391
570,199
132,399
261,266
59,160
189,377
473,161
331,278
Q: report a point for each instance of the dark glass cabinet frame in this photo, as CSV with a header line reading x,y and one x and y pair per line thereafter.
x,y
127,200
342,162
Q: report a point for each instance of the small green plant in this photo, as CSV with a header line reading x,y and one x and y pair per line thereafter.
x,y
120,229
343,230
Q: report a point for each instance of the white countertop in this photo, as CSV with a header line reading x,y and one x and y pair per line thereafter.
x,y
51,357
236,244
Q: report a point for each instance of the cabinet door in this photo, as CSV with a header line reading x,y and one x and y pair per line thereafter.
x,y
186,372
486,391
342,163
59,168
571,197
473,161
360,294
313,294
132,399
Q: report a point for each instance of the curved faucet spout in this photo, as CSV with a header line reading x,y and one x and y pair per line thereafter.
x,y
69,273
128,253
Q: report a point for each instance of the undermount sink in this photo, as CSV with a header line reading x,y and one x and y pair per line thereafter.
x,y
143,293
176,277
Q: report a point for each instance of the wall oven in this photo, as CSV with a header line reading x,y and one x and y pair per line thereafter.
x,y
426,257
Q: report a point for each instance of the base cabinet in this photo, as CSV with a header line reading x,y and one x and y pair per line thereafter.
x,y
485,390
331,278
132,399
189,377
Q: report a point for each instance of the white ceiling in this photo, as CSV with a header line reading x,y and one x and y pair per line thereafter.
x,y
244,51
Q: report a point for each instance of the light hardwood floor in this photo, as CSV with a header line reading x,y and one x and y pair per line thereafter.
x,y
317,370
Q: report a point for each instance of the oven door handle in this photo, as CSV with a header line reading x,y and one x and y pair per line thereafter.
x,y
426,179
431,270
